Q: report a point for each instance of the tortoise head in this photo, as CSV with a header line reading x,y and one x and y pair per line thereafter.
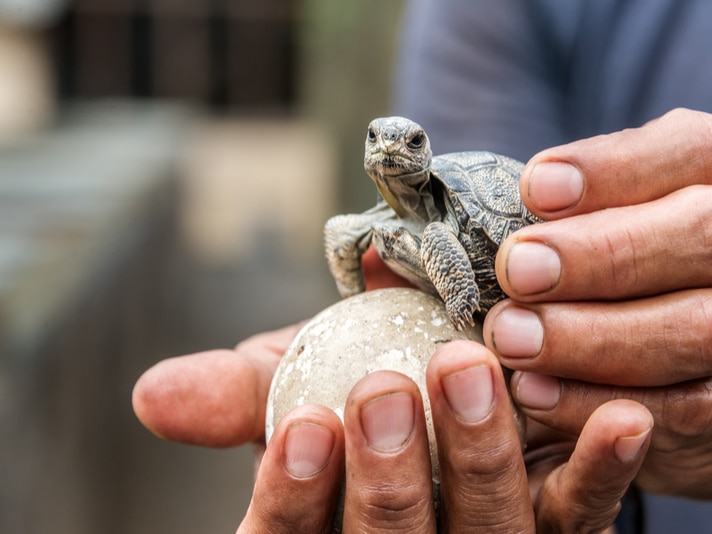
x,y
397,158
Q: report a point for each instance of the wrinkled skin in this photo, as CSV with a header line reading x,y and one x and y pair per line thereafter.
x,y
594,311
637,276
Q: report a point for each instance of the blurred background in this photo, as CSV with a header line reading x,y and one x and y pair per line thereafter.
x,y
166,167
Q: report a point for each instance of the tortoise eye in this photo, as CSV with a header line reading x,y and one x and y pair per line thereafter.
x,y
371,136
416,141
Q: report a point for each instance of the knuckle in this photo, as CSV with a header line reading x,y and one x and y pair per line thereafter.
x,y
585,511
678,114
267,513
696,196
681,227
692,130
491,465
698,331
685,118
684,415
623,248
697,127
570,523
394,507
697,200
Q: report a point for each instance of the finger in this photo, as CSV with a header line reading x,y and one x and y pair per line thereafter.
x,y
389,481
300,478
645,342
215,398
677,462
681,412
624,252
481,464
622,168
584,494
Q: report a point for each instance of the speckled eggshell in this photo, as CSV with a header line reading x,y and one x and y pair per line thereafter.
x,y
395,329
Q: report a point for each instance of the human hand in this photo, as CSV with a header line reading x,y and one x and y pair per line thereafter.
x,y
484,485
192,398
614,297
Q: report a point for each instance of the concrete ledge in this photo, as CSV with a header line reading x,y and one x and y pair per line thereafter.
x,y
74,202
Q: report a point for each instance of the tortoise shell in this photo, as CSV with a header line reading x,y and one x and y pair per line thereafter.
x,y
483,189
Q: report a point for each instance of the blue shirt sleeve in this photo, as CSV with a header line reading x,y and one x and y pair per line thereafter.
x,y
517,76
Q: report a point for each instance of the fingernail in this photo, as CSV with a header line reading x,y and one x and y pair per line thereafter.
x,y
307,449
538,392
532,268
517,333
627,448
470,393
387,421
554,186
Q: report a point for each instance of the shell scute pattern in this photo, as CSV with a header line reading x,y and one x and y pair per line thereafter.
x,y
484,187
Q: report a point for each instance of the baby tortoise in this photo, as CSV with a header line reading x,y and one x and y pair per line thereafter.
x,y
438,222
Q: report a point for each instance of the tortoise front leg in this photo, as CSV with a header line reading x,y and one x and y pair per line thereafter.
x,y
448,266
346,239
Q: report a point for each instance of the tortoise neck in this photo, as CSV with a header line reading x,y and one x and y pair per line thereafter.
x,y
410,195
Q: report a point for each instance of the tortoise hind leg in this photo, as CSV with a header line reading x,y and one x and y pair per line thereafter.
x,y
448,266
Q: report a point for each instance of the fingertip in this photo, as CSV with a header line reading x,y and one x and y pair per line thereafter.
x,y
536,392
628,423
150,398
528,268
383,411
628,415
378,383
457,355
617,432
465,378
549,188
628,448
310,437
191,399
468,388
514,332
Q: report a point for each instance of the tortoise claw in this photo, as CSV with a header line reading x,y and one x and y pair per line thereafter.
x,y
462,311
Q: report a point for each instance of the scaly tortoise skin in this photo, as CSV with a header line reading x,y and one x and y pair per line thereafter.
x,y
438,222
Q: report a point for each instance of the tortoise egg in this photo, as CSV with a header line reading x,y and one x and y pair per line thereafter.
x,y
388,329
